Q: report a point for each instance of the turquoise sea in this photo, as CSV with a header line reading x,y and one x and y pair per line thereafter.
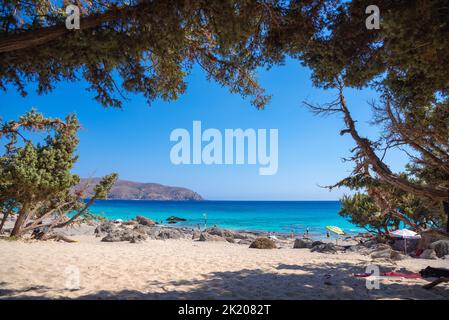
x,y
274,216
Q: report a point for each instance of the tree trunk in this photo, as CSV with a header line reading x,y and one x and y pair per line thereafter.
x,y
21,218
446,210
378,166
5,216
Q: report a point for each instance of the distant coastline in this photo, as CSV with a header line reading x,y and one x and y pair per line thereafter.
x,y
131,190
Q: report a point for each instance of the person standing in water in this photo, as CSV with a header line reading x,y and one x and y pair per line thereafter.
x,y
328,235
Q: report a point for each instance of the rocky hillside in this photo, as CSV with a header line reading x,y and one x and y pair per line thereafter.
x,y
129,190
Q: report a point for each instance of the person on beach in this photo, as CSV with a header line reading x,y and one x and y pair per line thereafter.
x,y
305,235
328,235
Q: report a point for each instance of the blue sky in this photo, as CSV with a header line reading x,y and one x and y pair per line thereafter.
x,y
134,142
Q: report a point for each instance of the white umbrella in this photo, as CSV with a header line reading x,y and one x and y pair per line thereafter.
x,y
405,234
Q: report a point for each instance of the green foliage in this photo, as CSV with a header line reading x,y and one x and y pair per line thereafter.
x,y
35,178
383,207
146,47
101,190
35,171
152,45
361,211
405,62
405,55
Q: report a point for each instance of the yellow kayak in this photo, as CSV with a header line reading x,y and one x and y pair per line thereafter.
x,y
336,230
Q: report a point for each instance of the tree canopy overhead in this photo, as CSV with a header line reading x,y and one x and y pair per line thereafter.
x,y
150,44
403,62
405,55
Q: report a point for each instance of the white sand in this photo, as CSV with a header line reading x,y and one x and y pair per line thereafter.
x,y
181,269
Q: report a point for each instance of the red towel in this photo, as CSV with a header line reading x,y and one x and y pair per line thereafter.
x,y
402,275
362,275
391,274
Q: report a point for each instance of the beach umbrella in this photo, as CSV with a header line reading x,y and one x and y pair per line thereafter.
x,y
335,230
405,234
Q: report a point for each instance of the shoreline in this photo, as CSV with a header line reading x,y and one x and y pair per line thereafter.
x,y
317,236
281,217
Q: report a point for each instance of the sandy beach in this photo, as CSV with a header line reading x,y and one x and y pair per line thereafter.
x,y
189,269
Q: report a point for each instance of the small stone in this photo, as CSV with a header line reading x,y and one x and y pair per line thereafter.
x,y
388,254
124,235
317,243
230,240
170,234
441,247
174,218
263,243
129,223
244,241
428,254
382,254
302,243
105,228
396,255
325,248
210,237
145,221
196,235
220,232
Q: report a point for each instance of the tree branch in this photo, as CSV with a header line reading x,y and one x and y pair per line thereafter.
x,y
35,37
365,145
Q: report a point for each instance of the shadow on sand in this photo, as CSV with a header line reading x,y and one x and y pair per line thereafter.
x,y
329,281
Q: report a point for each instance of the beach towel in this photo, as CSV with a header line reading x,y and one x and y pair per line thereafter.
x,y
402,275
391,274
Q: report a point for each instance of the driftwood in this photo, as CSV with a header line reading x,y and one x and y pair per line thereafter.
x,y
435,283
59,237
43,234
